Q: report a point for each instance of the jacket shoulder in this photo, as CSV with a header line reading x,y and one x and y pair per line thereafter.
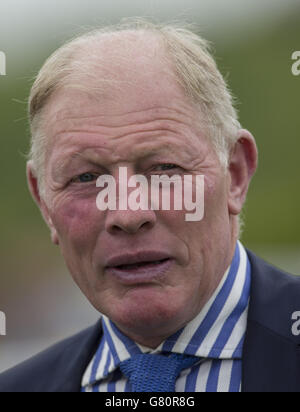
x,y
56,369
271,351
275,297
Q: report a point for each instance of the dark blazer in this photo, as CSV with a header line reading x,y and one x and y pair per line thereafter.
x,y
271,358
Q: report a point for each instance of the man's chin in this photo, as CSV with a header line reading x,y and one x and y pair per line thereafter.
x,y
147,317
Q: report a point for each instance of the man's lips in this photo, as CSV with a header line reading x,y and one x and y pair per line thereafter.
x,y
140,257
140,267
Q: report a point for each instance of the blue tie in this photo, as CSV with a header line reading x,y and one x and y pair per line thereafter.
x,y
155,373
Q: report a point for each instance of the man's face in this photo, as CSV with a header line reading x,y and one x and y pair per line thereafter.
x,y
150,129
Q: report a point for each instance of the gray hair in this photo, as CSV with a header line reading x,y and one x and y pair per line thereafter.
x,y
194,68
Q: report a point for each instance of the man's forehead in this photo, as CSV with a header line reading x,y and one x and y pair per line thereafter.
x,y
123,67
75,110
122,58
72,109
142,151
126,86
126,47
90,131
118,73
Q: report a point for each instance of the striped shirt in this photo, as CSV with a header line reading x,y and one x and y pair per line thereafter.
x,y
216,336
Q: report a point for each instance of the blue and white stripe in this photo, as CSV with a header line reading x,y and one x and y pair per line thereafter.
x,y
216,335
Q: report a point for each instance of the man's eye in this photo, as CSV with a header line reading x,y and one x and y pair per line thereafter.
x,y
85,178
167,166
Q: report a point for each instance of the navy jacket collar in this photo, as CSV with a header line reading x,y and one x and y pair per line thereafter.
x,y
271,355
74,361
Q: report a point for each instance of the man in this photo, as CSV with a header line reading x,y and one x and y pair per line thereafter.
x,y
184,306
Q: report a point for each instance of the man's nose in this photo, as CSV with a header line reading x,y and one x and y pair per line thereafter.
x,y
129,221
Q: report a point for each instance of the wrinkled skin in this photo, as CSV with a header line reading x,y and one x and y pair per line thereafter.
x,y
147,124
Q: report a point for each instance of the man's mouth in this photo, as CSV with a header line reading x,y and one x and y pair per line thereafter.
x,y
147,264
141,267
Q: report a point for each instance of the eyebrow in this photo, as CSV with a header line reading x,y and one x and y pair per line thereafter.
x,y
91,157
66,162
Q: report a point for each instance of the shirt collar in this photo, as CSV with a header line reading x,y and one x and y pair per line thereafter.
x,y
216,332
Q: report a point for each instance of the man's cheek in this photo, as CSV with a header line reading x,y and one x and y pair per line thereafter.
x,y
215,194
77,221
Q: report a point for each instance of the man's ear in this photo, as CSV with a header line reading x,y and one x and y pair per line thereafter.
x,y
35,192
242,166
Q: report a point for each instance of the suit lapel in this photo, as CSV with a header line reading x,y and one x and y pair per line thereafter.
x,y
271,354
270,362
74,360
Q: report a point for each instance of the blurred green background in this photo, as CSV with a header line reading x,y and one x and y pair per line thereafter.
x,y
253,47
